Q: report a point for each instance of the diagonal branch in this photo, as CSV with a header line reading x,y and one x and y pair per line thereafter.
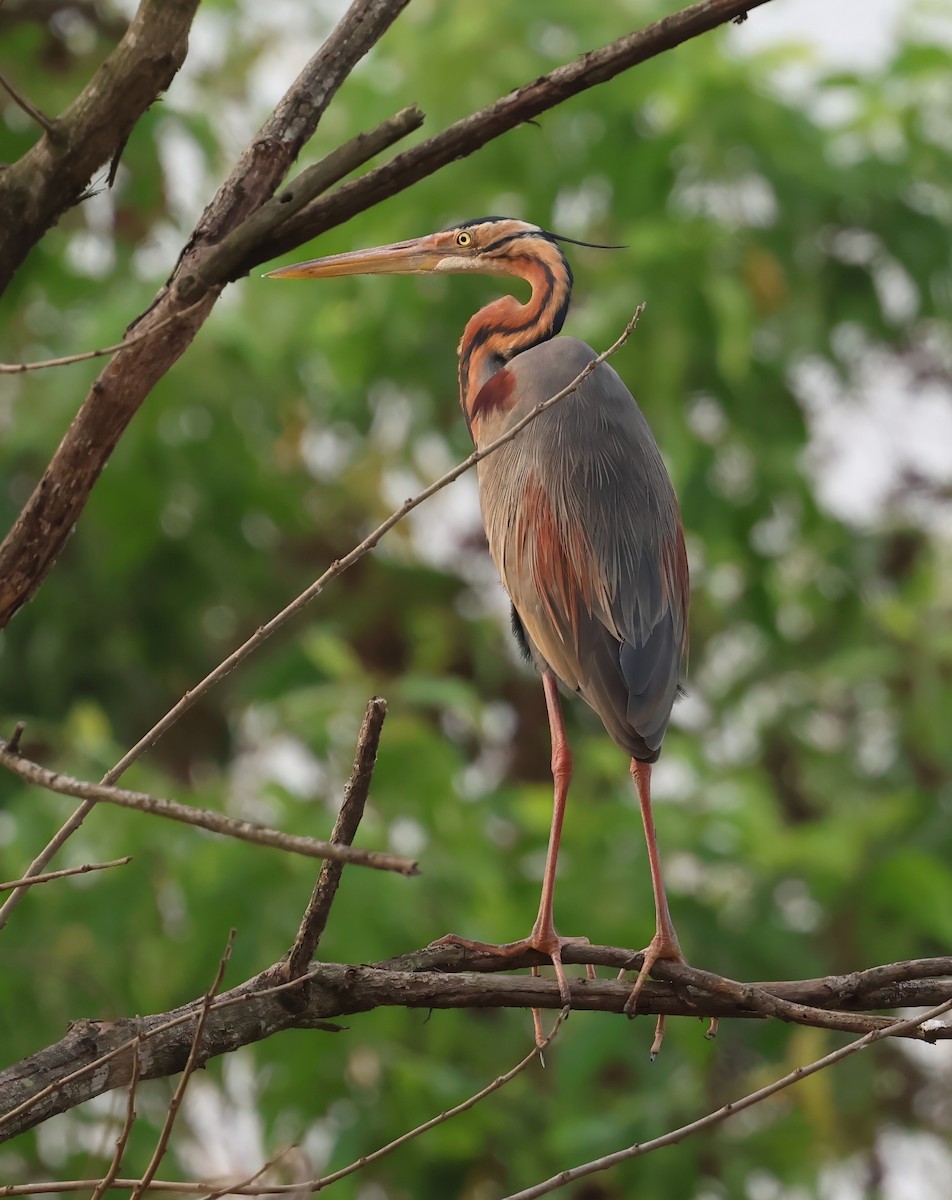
x,y
42,528
300,602
899,1028
519,106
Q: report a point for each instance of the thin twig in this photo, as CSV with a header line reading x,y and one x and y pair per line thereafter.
x,y
356,791
245,1187
130,1119
464,1106
49,876
62,835
158,806
69,359
728,1110
193,1061
31,110
228,1189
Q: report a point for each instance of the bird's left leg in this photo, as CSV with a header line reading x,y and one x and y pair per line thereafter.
x,y
544,936
664,944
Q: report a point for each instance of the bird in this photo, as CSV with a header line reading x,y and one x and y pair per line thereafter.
x,y
581,518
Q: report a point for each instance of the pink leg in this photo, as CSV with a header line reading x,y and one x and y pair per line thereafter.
x,y
543,937
664,944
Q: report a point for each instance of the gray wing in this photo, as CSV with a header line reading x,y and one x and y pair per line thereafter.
x,y
584,527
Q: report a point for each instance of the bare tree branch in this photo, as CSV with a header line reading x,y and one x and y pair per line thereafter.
x,y
52,176
300,602
158,806
96,1056
314,921
538,1049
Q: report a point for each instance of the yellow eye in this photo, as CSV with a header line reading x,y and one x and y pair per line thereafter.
x,y
463,238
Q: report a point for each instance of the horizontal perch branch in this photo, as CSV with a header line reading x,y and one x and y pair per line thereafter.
x,y
97,1056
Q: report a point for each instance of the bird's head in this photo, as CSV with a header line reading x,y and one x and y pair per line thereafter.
x,y
485,246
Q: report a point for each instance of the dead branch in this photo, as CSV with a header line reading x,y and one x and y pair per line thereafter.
x,y
97,1056
158,806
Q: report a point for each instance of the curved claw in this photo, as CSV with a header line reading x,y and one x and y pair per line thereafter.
x,y
659,948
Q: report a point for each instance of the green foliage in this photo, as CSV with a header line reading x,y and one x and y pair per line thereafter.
x,y
804,794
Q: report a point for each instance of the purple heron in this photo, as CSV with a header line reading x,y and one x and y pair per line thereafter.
x,y
582,521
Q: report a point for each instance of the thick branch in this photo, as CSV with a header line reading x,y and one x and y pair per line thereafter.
x,y
97,1056
38,535
53,175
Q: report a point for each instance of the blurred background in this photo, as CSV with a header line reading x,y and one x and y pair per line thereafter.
x,y
784,191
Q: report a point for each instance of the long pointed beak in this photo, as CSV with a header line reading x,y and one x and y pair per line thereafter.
x,y
400,258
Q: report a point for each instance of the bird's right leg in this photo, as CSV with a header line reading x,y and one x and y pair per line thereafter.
x,y
664,945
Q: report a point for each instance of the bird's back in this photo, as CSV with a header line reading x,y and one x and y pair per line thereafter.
x,y
583,525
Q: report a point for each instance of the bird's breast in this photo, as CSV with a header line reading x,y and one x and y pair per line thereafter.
x,y
491,404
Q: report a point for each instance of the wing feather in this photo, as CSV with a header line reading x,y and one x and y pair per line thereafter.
x,y
583,524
